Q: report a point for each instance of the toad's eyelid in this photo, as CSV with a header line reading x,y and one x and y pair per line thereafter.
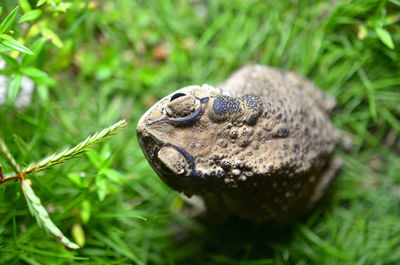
x,y
187,119
183,120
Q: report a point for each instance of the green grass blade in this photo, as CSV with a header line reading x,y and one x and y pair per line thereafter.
x,y
42,217
8,20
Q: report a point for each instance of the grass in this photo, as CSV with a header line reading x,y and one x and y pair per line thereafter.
x,y
117,58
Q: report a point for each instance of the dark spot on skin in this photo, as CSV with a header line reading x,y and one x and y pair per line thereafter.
x,y
196,174
254,106
216,157
253,102
220,174
226,105
252,119
225,164
279,116
177,95
234,134
271,166
213,174
211,163
204,100
282,133
296,146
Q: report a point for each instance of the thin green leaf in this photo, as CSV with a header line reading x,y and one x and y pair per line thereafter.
x,y
75,178
33,72
101,187
43,92
10,61
24,4
40,2
48,253
6,72
36,48
31,15
1,10
13,88
8,157
385,37
78,234
396,2
119,246
13,44
390,118
49,34
85,211
28,259
42,217
38,76
326,247
370,92
113,175
8,20
5,37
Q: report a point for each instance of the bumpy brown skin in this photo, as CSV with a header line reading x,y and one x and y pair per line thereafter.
x,y
263,151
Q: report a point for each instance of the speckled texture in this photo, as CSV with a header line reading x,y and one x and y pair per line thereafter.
x,y
259,145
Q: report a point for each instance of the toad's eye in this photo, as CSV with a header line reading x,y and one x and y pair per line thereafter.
x,y
182,105
177,95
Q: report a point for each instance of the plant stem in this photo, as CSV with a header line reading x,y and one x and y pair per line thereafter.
x,y
7,155
60,157
71,152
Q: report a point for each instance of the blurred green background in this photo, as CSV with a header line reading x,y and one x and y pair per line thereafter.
x,y
99,61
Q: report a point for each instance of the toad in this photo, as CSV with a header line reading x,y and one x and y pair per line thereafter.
x,y
259,146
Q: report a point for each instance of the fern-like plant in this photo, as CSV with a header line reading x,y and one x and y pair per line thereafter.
x,y
34,204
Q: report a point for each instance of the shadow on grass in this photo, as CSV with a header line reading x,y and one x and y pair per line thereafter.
x,y
234,242
240,241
